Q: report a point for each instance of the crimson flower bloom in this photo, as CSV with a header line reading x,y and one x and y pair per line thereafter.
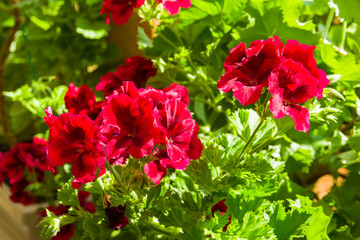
x,y
291,83
136,69
120,10
75,139
178,132
18,193
82,101
129,126
173,6
116,216
303,54
247,70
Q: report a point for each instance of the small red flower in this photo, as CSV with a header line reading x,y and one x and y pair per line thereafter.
x,y
18,193
303,54
291,83
136,69
116,216
173,6
75,139
120,10
82,101
178,141
129,126
247,70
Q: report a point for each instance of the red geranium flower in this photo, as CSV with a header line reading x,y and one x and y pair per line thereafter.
x,y
136,69
75,139
120,9
247,70
290,85
82,101
129,126
173,6
116,216
178,135
18,193
303,54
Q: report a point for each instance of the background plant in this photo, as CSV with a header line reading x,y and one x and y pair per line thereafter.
x,y
267,175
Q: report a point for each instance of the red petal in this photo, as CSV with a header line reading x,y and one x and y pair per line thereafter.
x,y
300,115
155,171
247,95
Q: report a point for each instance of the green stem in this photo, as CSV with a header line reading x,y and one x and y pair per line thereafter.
x,y
162,230
263,144
252,136
115,174
167,40
343,36
328,23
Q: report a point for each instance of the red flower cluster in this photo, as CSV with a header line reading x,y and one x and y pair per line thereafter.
x,y
19,163
82,101
120,10
75,138
150,121
173,6
132,122
290,72
136,69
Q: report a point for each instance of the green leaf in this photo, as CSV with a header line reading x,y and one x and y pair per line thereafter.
x,y
246,120
143,40
349,9
91,30
40,23
299,161
50,225
355,140
318,225
67,195
287,224
91,228
254,226
269,21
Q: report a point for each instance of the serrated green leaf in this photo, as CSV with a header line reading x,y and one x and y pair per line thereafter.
x,y
287,224
67,195
91,229
50,225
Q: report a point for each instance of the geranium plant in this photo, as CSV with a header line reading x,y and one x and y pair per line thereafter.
x,y
223,129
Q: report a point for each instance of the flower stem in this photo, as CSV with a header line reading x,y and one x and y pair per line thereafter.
x,y
157,228
328,23
252,136
116,175
343,36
